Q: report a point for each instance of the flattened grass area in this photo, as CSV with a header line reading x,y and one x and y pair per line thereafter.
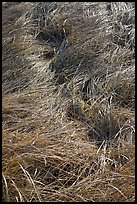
x,y
68,101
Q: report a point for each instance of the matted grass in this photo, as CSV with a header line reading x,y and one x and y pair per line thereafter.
x,y
68,82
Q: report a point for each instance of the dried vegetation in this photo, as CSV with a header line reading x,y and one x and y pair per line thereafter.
x,y
68,90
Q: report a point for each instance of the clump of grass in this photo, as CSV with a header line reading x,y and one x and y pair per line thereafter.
x,y
68,101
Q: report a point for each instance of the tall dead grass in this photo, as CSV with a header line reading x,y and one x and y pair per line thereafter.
x,y
68,82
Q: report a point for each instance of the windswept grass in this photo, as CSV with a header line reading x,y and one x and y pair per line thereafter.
x,y
68,91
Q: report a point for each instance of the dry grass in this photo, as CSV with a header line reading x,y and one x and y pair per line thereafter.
x,y
68,82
